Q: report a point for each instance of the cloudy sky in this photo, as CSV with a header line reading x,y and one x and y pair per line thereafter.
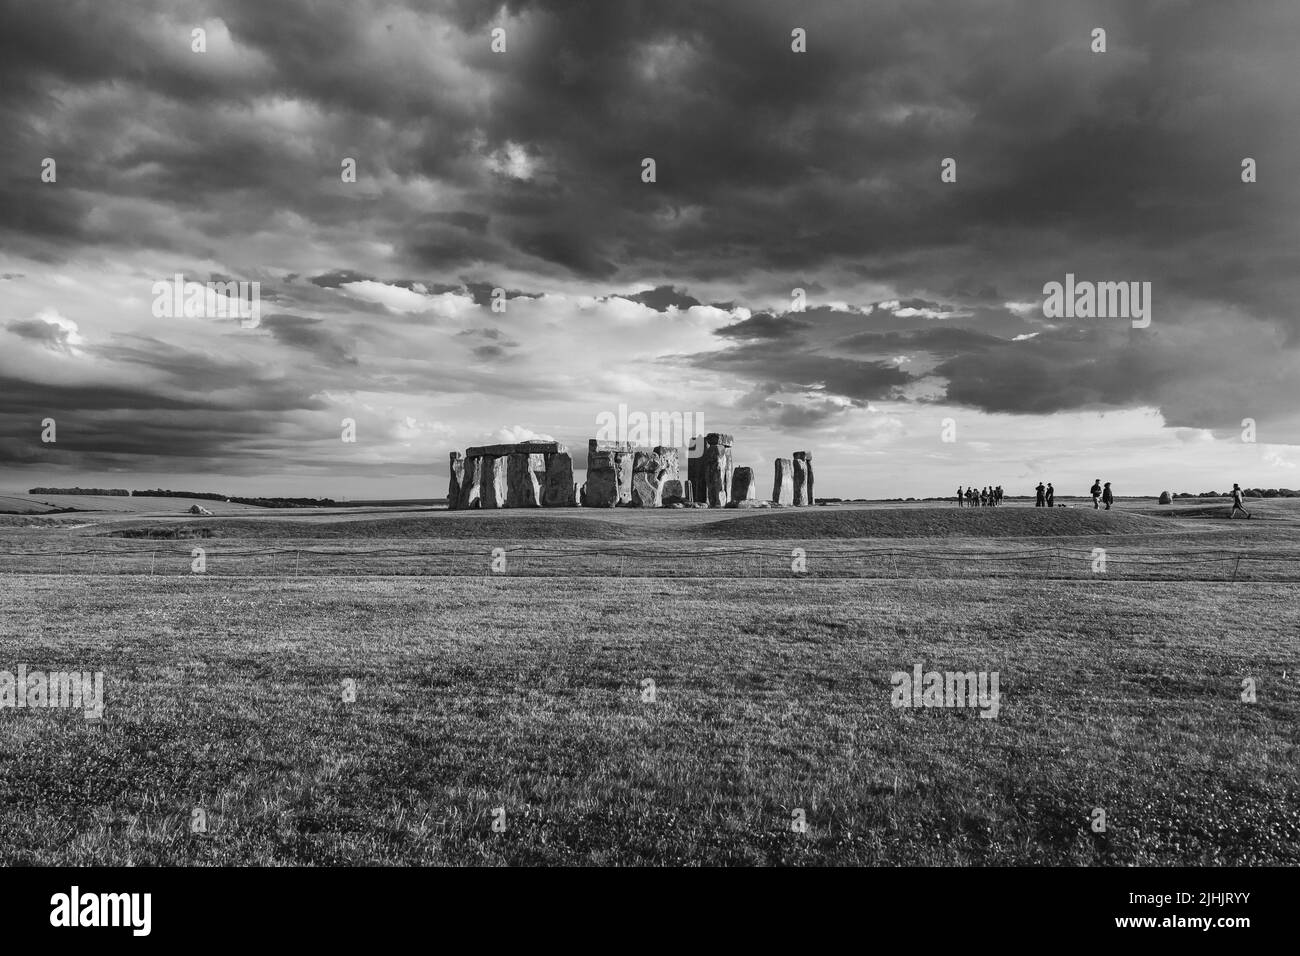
x,y
775,170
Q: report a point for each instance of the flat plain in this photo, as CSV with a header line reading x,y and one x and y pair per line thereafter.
x,y
502,667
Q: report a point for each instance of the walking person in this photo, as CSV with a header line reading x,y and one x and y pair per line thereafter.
x,y
1051,495
1236,502
1095,491
1107,496
1041,499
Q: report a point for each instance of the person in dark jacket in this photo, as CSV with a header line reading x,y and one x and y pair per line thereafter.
x,y
1236,502
1095,490
1041,500
959,494
1051,495
1106,496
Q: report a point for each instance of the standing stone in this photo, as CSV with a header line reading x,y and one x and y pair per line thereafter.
x,y
783,486
601,489
672,491
695,469
558,489
809,497
743,485
494,481
453,484
800,482
471,484
522,489
669,459
647,467
623,461
538,465
717,469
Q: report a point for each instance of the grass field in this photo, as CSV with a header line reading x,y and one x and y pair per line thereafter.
x,y
526,690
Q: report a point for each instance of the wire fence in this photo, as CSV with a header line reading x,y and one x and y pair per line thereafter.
x,y
695,560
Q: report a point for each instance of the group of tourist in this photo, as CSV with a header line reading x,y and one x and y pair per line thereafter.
x,y
1045,497
972,497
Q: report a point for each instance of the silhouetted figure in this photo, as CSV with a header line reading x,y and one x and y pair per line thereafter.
x,y
1095,491
1107,496
970,496
1236,502
1041,498
1051,495
959,494
998,492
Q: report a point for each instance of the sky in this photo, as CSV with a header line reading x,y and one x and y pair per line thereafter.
x,y
919,357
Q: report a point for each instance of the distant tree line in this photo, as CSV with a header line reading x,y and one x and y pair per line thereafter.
x,y
1247,492
164,493
204,495
120,492
285,502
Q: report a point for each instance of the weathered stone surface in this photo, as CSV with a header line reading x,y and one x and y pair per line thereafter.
x,y
518,448
471,484
743,485
1165,499
453,484
671,460
695,470
601,489
199,510
718,438
558,489
522,488
494,481
645,490
672,489
623,461
812,499
599,444
717,474
800,482
783,483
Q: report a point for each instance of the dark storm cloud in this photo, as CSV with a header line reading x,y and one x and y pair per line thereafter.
x,y
763,325
854,379
662,298
823,167
310,335
46,333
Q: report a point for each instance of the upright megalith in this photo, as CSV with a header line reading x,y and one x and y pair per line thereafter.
x,y
651,468
1165,499
522,487
454,483
601,489
783,484
695,469
558,489
742,485
471,484
717,469
800,482
494,481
